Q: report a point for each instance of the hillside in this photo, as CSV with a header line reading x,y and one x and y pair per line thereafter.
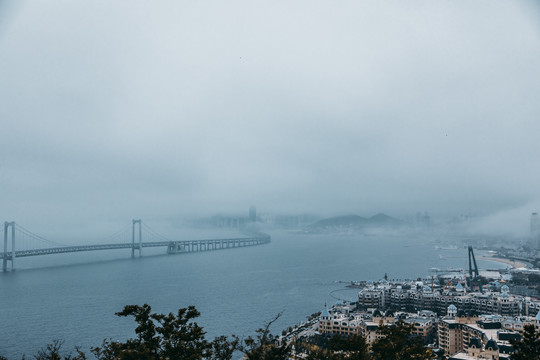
x,y
356,222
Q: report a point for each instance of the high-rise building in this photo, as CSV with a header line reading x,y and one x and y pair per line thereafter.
x,y
252,214
535,229
423,220
535,224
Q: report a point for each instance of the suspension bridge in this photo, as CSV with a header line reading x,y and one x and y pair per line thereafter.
x,y
20,242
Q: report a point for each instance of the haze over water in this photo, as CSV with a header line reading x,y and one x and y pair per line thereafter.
x,y
236,290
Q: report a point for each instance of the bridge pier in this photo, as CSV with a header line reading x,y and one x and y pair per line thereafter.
x,y
7,225
177,247
133,247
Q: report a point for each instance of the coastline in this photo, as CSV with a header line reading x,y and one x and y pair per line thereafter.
x,y
512,263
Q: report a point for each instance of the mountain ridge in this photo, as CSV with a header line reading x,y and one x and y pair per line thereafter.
x,y
379,220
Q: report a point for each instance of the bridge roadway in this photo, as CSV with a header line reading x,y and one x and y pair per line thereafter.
x,y
173,247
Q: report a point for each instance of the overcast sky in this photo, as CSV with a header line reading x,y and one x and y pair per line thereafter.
x,y
126,109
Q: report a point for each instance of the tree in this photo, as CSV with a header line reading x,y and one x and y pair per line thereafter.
x,y
162,336
527,348
398,344
410,308
336,347
223,348
52,352
354,346
317,353
263,346
313,316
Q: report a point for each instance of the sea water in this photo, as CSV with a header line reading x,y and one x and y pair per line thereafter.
x,y
73,297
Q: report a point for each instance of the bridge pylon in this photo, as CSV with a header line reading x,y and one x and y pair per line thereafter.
x,y
7,225
133,233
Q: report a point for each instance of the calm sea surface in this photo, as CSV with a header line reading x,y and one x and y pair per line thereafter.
x,y
73,297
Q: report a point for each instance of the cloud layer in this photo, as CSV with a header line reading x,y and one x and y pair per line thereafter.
x,y
151,109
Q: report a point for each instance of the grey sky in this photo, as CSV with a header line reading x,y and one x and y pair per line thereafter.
x,y
122,109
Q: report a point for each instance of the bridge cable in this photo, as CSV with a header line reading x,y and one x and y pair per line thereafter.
x,y
119,233
154,233
36,237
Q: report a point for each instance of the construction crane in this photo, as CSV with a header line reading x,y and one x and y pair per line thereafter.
x,y
476,277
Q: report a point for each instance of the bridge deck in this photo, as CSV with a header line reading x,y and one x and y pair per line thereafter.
x,y
258,240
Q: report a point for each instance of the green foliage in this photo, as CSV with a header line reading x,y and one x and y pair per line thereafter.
x,y
263,346
52,352
176,336
313,316
223,348
159,336
398,344
527,348
317,353
336,347
354,346
410,308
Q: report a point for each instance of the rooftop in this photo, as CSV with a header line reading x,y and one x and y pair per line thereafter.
x,y
462,356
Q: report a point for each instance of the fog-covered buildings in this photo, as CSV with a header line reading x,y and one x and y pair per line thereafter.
x,y
480,337
470,325
343,320
459,335
416,296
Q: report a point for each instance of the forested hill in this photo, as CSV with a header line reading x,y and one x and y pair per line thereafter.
x,y
356,222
